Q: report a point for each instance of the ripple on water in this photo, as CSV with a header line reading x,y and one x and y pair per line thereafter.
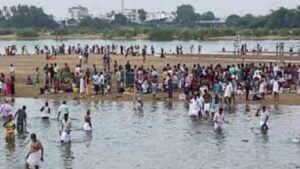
x,y
160,137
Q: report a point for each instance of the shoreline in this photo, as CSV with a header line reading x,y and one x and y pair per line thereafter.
x,y
139,37
25,65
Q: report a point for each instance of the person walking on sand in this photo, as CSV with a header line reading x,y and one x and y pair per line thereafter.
x,y
63,108
36,153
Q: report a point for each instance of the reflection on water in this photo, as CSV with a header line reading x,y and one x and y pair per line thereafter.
x,y
159,136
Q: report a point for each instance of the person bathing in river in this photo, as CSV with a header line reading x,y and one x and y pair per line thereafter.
x,y
87,126
10,129
264,118
36,153
194,108
66,130
21,119
63,108
207,101
219,120
45,111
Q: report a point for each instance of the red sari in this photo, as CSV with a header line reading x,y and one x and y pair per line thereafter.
x,y
8,88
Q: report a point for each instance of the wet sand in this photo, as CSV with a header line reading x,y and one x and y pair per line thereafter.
x,y
25,65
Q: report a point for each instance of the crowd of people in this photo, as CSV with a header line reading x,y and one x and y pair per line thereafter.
x,y
239,48
35,156
208,89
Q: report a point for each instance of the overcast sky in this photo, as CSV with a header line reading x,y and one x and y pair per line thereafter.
x,y
221,8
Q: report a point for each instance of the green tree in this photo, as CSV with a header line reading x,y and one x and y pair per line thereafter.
x,y
142,15
120,19
208,16
186,15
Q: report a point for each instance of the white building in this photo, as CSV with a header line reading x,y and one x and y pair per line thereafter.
x,y
78,12
169,17
132,15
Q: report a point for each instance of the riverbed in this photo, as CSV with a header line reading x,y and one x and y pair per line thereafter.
x,y
161,136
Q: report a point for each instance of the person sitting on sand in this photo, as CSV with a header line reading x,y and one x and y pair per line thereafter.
x,y
29,80
36,153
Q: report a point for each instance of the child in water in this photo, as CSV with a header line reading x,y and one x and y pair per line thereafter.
x,y
10,128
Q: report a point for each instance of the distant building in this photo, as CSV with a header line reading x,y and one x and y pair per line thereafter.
x,y
169,17
78,12
132,15
211,24
107,16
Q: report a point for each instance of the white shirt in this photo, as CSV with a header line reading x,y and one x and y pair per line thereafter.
x,y
264,115
1,85
63,109
262,87
101,80
200,102
12,69
228,90
275,86
46,112
95,79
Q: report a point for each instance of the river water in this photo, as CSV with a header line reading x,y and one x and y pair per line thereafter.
x,y
160,137
208,47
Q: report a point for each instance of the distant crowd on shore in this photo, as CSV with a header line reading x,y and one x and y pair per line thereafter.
x,y
280,49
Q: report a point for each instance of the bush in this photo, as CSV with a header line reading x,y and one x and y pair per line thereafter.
x,y
27,34
60,32
6,32
161,35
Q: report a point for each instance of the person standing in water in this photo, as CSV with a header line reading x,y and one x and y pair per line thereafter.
x,y
66,130
21,119
264,118
219,120
45,111
10,129
276,89
87,126
36,153
63,108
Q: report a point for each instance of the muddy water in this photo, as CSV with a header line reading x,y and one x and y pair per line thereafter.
x,y
160,137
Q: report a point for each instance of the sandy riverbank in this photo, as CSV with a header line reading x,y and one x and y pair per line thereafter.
x,y
25,65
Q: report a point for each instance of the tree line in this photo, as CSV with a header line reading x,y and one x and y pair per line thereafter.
x,y
24,16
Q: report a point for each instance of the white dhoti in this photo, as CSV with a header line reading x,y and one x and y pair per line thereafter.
x,y
218,126
262,123
87,127
65,137
193,110
206,107
34,159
